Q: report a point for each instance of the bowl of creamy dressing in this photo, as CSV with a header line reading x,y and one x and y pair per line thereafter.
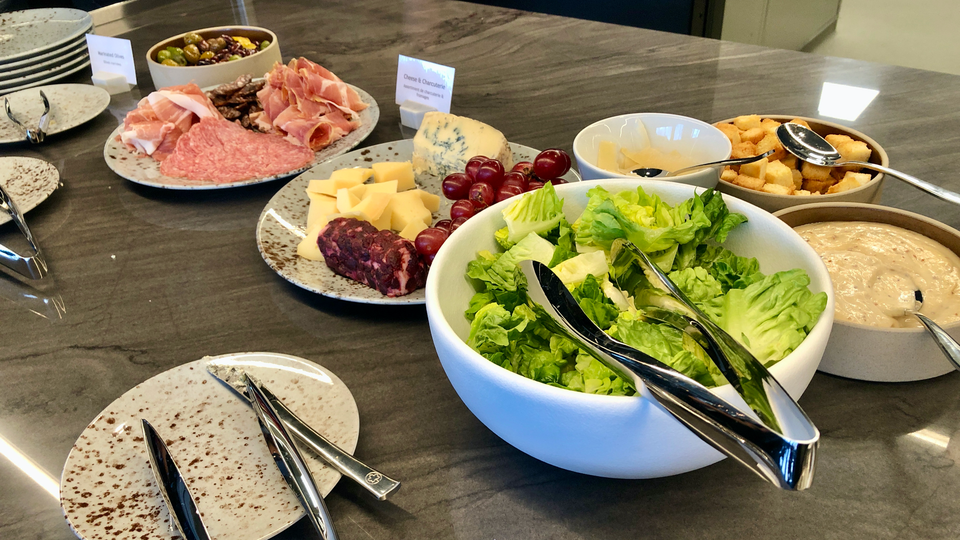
x,y
877,256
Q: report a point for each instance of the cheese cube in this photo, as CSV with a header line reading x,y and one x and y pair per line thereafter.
x,y
307,248
757,169
383,222
331,186
406,208
445,142
353,174
401,171
778,173
370,208
607,156
346,200
430,201
362,190
411,231
320,207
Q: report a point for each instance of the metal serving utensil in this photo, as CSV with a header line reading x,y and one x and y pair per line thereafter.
x,y
652,172
32,266
373,481
35,136
809,146
785,461
948,345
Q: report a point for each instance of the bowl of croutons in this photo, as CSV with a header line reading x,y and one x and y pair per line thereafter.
x,y
781,180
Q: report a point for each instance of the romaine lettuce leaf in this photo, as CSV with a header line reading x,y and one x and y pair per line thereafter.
x,y
536,211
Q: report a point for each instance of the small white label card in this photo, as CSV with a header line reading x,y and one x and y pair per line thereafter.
x,y
424,82
112,55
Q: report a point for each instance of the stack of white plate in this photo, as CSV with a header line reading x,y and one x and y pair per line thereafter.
x,y
39,46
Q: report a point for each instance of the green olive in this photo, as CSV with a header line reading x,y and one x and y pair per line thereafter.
x,y
163,55
207,55
264,44
170,62
191,53
179,59
234,57
175,51
217,44
192,38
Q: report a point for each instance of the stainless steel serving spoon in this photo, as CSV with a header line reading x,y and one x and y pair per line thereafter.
x,y
949,346
652,172
810,146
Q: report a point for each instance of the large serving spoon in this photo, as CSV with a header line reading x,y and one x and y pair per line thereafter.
x,y
652,172
809,146
949,346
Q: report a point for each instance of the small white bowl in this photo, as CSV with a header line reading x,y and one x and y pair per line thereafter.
x,y
215,74
611,436
869,353
694,139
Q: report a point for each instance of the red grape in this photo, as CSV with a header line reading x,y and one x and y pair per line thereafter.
x,y
428,242
482,194
457,223
456,186
443,224
557,181
490,172
463,208
507,191
473,164
551,163
523,167
515,178
534,184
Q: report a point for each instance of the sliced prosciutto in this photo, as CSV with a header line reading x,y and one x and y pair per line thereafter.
x,y
308,104
162,117
220,151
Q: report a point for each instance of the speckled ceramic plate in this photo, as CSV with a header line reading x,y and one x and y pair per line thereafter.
x,y
283,221
145,170
72,63
107,490
70,106
29,182
68,56
47,56
55,77
33,32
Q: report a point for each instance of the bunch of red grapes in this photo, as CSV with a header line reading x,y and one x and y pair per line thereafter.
x,y
485,182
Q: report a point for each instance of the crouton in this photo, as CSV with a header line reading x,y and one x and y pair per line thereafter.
x,y
818,186
728,175
746,122
801,122
731,131
771,142
777,189
797,178
778,173
749,182
814,172
744,149
836,139
769,125
753,135
757,169
846,184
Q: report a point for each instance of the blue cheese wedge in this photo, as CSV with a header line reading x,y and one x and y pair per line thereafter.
x,y
445,142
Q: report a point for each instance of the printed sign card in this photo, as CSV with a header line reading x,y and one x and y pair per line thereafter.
x,y
424,82
112,55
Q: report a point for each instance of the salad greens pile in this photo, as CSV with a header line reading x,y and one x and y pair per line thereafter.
x,y
769,314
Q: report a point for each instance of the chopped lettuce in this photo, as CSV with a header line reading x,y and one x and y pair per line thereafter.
x,y
575,270
538,211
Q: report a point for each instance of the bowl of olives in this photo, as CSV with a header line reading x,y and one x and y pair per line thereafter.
x,y
213,56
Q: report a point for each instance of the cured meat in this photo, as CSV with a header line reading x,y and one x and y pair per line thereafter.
x,y
308,104
217,150
382,260
159,120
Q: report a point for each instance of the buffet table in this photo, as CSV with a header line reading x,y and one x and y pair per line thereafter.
x,y
145,279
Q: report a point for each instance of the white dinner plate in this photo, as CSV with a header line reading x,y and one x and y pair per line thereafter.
x,y
54,77
70,106
41,65
57,69
282,224
108,489
145,170
55,53
29,182
33,32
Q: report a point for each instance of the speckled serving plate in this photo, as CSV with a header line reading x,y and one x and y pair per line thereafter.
x,y
283,222
70,106
54,77
107,490
7,75
57,53
33,32
143,169
29,182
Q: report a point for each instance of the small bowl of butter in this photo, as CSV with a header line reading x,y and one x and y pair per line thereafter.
x,y
614,147
877,257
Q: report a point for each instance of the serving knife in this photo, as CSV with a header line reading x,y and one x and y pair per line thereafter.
x,y
374,482
290,462
183,509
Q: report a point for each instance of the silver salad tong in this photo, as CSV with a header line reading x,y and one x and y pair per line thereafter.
x,y
32,266
35,136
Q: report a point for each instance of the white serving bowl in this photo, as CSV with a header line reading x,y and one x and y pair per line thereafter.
x,y
694,139
869,353
215,74
617,437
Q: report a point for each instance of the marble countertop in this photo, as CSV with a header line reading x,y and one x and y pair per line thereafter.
x,y
145,280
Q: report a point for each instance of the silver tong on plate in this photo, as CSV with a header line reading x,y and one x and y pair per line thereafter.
x,y
776,440
35,136
32,266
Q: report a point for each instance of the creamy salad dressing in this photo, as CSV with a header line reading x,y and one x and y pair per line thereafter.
x,y
875,268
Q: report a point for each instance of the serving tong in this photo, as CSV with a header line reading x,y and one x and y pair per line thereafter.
x,y
32,266
35,136
775,439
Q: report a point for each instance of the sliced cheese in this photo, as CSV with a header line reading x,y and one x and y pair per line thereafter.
x,y
308,248
445,142
411,231
356,174
370,208
431,201
346,200
607,156
400,171
320,207
383,222
331,186
363,189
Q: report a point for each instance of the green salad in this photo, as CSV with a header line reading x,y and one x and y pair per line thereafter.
x,y
769,314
